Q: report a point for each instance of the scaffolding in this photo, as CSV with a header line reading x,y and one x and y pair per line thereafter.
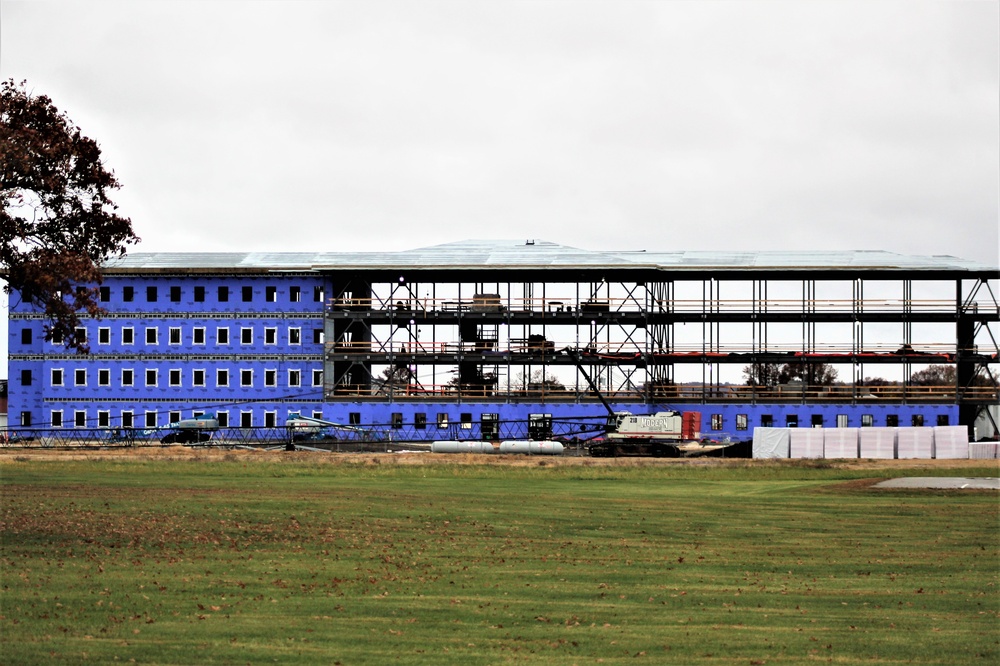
x,y
503,336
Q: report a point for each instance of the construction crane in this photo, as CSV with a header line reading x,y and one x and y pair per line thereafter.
x,y
626,434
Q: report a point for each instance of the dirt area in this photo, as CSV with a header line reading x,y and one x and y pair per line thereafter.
x,y
10,456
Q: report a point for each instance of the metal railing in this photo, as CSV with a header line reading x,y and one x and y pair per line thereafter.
x,y
571,304
633,347
693,392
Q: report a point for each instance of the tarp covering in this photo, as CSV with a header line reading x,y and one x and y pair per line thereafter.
x,y
806,443
840,443
771,442
878,443
915,443
951,441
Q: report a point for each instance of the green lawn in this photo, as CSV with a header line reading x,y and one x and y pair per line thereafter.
x,y
236,561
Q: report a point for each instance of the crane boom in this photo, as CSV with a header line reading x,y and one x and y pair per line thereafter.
x,y
578,358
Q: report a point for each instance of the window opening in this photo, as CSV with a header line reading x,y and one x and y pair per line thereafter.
x,y
539,426
489,426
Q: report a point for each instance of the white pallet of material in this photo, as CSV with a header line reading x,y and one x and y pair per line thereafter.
x,y
877,443
806,443
770,442
984,450
840,443
951,442
915,442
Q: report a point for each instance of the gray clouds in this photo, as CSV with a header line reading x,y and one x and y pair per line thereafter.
x,y
392,125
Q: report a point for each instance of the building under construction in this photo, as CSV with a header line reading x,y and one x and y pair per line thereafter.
x,y
495,339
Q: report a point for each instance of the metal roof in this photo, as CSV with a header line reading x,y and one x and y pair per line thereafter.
x,y
538,254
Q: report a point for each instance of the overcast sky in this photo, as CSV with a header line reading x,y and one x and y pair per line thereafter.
x,y
305,126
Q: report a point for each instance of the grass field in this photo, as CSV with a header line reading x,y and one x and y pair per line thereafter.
x,y
294,559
